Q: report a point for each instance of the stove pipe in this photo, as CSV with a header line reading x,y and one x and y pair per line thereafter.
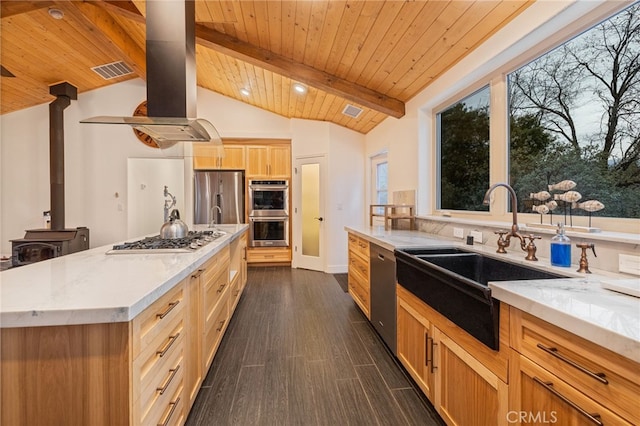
x,y
64,93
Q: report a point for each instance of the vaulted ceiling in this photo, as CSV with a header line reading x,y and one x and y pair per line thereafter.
x,y
373,55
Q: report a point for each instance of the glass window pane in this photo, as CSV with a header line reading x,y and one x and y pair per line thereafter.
x,y
575,116
463,136
310,209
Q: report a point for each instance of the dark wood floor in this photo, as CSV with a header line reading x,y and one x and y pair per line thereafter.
x,y
299,352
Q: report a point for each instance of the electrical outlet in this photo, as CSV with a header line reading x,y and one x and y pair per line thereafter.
x,y
458,233
629,264
477,237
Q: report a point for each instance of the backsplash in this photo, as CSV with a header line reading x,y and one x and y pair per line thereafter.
x,y
607,251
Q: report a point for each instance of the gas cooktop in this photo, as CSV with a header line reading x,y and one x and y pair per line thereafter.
x,y
190,243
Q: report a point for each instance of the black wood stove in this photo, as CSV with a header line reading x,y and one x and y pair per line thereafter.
x,y
42,244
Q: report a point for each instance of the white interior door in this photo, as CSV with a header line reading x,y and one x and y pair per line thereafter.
x,y
308,212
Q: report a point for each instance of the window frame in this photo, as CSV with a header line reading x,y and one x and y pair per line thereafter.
x,y
438,140
375,161
520,54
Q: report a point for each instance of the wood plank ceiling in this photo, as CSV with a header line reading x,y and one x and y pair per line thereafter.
x,y
375,55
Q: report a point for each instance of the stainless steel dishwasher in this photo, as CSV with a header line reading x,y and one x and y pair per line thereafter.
x,y
383,294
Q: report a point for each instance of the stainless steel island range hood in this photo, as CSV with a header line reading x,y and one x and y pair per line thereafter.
x,y
171,78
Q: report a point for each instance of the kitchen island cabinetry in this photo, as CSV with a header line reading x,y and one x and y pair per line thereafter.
x,y
558,374
158,346
144,370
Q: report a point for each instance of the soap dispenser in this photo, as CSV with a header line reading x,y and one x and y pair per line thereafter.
x,y
560,248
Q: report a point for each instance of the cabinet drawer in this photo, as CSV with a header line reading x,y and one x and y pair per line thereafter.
x,y
213,292
269,255
220,259
358,265
540,395
214,330
359,290
605,376
360,246
153,321
159,392
172,411
235,289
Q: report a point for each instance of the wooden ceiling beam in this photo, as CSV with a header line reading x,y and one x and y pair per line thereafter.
x,y
263,58
11,8
109,33
125,8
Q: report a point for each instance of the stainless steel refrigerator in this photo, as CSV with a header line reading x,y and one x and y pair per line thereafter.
x,y
223,189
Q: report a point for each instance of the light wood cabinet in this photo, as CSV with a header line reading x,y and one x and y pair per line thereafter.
x,y
416,346
158,360
268,161
48,373
237,269
194,373
358,272
215,295
145,371
467,392
556,372
207,157
268,255
465,380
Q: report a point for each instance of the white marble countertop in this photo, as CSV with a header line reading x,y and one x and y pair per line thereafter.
x,y
94,287
577,304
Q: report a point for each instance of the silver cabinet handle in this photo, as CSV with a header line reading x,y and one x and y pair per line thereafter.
x,y
595,418
554,352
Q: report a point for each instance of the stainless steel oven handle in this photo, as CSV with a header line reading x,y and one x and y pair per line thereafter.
x,y
268,218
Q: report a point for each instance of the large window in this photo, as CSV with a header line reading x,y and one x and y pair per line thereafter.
x,y
575,116
463,143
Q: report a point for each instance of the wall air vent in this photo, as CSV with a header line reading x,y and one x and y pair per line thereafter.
x,y
352,111
112,70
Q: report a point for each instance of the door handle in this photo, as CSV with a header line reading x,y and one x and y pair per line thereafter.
x,y
319,218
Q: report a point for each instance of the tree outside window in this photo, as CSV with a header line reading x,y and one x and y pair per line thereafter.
x,y
463,143
575,115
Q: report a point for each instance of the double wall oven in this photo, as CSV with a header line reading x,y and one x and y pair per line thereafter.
x,y
269,213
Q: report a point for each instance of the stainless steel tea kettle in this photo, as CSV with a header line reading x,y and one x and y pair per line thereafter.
x,y
174,227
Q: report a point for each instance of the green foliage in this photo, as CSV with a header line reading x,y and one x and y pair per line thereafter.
x,y
464,157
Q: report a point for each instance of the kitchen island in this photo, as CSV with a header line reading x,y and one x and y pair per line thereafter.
x,y
569,348
101,339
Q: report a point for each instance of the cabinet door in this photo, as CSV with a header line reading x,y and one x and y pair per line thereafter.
x,y
416,346
539,397
233,157
279,161
257,160
467,392
194,321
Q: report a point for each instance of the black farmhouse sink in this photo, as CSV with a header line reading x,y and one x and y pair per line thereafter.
x,y
453,281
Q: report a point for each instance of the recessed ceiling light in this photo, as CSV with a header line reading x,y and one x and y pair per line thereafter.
x,y
300,88
245,92
56,13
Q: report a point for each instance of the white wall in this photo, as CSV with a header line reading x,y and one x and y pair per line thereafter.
x,y
96,159
344,183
